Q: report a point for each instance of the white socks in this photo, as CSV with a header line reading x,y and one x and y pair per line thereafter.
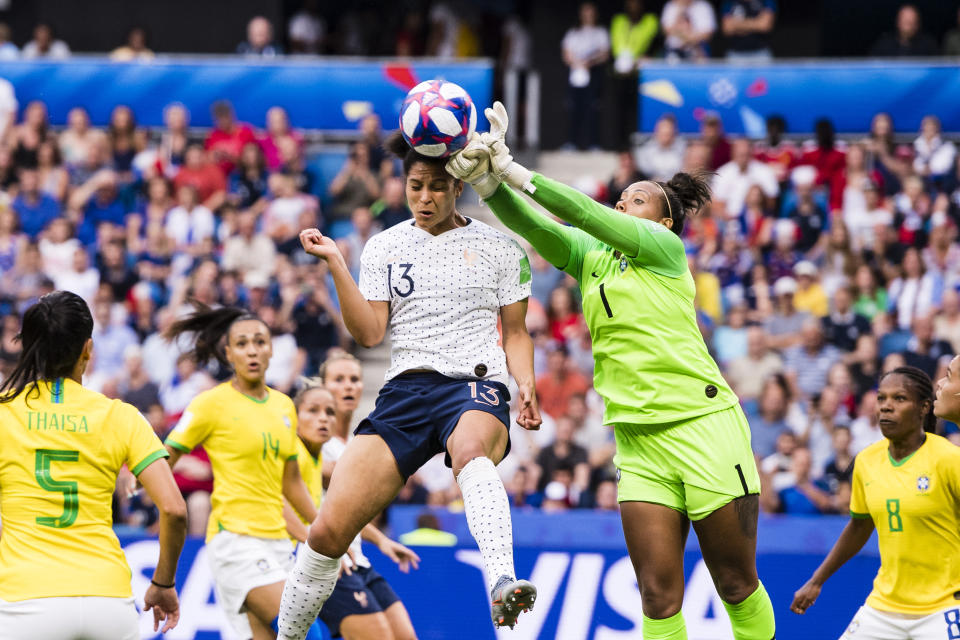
x,y
488,516
308,586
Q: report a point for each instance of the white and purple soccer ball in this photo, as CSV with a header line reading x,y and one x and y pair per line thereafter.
x,y
437,118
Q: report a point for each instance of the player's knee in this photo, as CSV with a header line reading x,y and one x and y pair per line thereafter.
x,y
465,453
662,596
735,586
326,540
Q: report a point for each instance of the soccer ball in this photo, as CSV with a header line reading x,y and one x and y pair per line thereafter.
x,y
437,117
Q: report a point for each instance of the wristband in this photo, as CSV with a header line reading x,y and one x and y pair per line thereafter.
x,y
162,586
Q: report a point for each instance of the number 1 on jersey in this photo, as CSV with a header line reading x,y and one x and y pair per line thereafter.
x,y
69,488
606,305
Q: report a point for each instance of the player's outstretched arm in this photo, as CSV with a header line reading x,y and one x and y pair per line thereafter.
x,y
854,536
518,347
403,556
161,596
365,320
295,491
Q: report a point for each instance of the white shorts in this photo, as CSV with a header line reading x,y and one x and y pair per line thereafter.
x,y
873,624
240,563
73,618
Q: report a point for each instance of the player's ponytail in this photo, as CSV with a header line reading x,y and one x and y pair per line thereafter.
x,y
52,335
686,194
397,146
922,387
208,327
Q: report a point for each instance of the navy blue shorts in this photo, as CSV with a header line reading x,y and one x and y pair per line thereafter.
x,y
416,413
362,592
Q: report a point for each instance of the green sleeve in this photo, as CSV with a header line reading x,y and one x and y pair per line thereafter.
x,y
648,243
563,247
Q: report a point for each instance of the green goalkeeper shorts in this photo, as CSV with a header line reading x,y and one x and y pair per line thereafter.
x,y
694,466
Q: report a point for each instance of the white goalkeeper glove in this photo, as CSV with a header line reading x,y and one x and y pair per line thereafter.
x,y
472,165
501,162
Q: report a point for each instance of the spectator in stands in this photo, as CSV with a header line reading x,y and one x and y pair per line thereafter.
x,y
824,157
844,326
924,351
662,155
34,208
559,382
8,50
122,134
734,179
730,339
839,262
824,414
371,134
259,40
115,270
913,293
135,49
51,176
865,430
586,48
307,29
354,186
248,250
862,219
946,323
839,469
391,208
318,323
135,385
805,497
189,223
562,314
934,157
175,138
565,454
784,325
99,201
809,296
281,218
951,41
688,26
78,138
228,137
748,372
776,152
12,240
605,498
184,386
631,36
58,247
44,45
885,155
247,187
26,137
768,418
777,465
623,176
808,363
203,175
848,186
278,131
444,31
783,256
908,39
351,246
712,136
807,214
113,338
747,26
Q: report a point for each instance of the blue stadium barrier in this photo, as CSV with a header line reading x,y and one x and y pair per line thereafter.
x,y
849,93
587,589
319,93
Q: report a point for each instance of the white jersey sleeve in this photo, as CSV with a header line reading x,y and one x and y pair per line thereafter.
x,y
373,271
515,280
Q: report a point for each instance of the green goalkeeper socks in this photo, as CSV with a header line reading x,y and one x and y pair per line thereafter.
x,y
752,619
671,628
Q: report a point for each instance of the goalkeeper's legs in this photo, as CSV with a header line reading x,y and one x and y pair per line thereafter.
x,y
365,480
656,536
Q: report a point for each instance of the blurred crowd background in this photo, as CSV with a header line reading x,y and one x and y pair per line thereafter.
x,y
821,262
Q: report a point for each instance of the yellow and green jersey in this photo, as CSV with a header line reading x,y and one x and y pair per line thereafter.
x,y
915,506
248,441
311,470
62,448
651,363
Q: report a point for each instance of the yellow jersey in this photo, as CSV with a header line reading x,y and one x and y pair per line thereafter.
x,y
311,470
62,450
248,441
915,506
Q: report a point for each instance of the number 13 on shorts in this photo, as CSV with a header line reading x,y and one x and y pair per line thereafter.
x,y
488,395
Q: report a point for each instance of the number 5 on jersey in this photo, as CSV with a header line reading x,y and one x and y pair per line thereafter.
x,y
69,488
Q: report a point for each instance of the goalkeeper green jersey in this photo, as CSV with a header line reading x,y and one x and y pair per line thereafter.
x,y
651,363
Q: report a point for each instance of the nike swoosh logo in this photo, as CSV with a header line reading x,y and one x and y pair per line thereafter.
x,y
594,274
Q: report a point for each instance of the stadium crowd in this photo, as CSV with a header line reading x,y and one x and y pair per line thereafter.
x,y
818,266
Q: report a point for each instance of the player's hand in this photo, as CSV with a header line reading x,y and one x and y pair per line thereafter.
x,y
501,161
345,569
316,244
529,416
805,596
403,556
165,605
472,165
